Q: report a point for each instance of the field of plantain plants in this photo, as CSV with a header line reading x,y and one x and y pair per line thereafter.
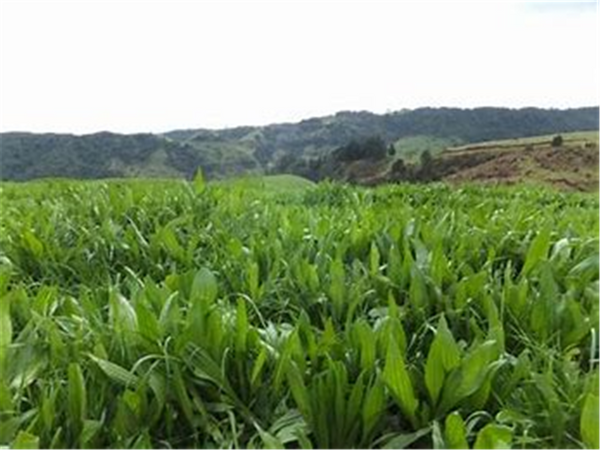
x,y
142,314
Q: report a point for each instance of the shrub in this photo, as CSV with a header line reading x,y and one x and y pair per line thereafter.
x,y
557,141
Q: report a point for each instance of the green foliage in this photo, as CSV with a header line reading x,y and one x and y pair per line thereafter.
x,y
278,313
493,436
25,440
443,357
425,159
455,432
27,156
557,141
367,148
589,421
199,182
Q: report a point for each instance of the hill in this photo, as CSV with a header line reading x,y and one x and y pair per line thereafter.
x,y
279,148
25,156
571,165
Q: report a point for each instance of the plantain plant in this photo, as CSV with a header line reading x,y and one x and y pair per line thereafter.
x,y
144,314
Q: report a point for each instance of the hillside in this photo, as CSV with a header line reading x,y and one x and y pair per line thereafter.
x,y
25,156
572,165
278,148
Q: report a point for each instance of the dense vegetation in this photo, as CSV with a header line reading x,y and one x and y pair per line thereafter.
x,y
280,147
166,314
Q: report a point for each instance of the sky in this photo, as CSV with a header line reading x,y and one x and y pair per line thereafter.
x,y
151,66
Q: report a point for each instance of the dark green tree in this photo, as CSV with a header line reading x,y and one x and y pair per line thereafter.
x,y
426,159
557,141
372,147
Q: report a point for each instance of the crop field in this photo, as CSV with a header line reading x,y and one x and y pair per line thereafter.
x,y
281,314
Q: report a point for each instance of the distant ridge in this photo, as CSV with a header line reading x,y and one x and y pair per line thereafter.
x,y
267,149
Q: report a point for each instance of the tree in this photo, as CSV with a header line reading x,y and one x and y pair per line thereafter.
x,y
372,147
426,158
557,141
286,163
391,150
425,170
400,170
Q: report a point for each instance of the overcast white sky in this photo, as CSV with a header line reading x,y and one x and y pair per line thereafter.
x,y
133,66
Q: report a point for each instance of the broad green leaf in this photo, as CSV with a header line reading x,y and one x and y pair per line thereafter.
x,y
158,385
493,436
147,321
398,382
115,372
33,243
242,328
252,279
299,391
470,375
258,366
204,286
126,420
455,431
25,440
373,407
77,396
374,259
199,184
355,405
418,289
444,356
590,264
171,243
182,396
5,331
538,250
28,365
589,421
123,316
91,428
10,427
390,328
367,344
6,401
